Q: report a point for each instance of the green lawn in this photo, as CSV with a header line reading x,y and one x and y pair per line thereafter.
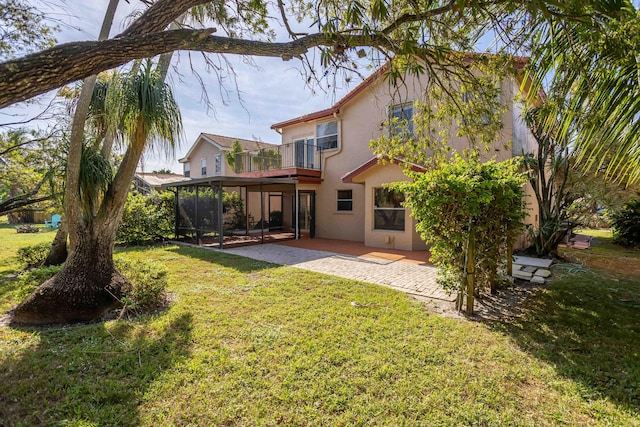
x,y
254,344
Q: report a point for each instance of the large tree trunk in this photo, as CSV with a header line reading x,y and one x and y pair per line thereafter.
x,y
58,251
86,288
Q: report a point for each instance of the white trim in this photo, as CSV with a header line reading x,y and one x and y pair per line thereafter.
x,y
197,143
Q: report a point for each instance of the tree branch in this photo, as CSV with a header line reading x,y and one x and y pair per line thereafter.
x,y
158,16
422,16
38,73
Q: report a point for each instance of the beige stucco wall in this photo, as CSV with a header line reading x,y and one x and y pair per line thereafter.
x,y
408,239
360,121
205,149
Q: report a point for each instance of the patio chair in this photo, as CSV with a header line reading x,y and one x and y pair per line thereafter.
x,y
55,221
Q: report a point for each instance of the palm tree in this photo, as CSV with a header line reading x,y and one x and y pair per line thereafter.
x,y
594,64
58,252
142,107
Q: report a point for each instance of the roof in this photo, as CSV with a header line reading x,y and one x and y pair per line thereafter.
x,y
225,143
519,63
350,177
233,181
336,107
246,144
158,179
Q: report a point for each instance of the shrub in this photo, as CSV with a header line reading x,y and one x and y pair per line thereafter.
x,y
466,201
149,284
233,211
146,219
275,219
29,280
626,224
34,255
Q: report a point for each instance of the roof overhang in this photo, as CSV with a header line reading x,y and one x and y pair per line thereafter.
x,y
519,63
202,136
337,106
353,176
232,181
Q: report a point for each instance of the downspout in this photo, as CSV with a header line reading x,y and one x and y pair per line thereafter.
x,y
335,153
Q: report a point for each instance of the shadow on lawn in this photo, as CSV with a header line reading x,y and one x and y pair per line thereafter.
x,y
87,373
588,328
239,263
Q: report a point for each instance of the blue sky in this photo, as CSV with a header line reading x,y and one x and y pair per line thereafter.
x,y
271,93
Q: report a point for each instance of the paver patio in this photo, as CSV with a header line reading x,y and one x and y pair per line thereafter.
x,y
395,269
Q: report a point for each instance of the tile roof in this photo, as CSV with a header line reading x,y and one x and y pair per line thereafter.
x,y
227,142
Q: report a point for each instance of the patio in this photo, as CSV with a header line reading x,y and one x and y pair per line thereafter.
x,y
358,249
406,271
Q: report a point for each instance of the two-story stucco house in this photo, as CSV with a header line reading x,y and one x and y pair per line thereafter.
x,y
337,190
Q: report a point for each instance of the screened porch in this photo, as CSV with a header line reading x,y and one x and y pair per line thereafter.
x,y
233,211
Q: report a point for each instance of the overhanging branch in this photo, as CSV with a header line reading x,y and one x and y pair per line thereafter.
x,y
38,73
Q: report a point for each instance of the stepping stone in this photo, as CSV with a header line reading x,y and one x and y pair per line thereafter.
x,y
522,275
537,280
541,272
534,262
581,245
516,267
529,269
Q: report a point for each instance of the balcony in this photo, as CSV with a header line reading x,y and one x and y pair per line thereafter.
x,y
293,159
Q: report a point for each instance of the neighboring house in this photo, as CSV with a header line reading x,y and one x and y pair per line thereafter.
x,y
207,156
144,182
340,181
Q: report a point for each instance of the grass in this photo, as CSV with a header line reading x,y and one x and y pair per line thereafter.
x,y
255,344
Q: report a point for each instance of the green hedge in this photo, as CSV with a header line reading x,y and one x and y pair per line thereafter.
x,y
146,219
626,224
34,255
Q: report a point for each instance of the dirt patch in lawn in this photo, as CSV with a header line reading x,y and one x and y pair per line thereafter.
x,y
507,303
603,258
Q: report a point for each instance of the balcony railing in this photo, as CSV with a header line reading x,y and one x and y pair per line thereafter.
x,y
299,155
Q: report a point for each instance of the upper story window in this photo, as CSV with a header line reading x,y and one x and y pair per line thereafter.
x,y
203,165
327,135
345,201
187,169
484,105
218,163
401,118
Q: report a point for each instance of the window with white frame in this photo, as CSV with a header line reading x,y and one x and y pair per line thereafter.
x,y
218,163
345,200
388,210
401,119
327,135
203,166
187,169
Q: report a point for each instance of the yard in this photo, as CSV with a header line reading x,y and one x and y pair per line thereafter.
x,y
251,343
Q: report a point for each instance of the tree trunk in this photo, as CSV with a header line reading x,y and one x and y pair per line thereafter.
x,y
86,288
58,251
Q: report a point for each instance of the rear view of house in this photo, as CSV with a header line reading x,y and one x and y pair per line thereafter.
x,y
335,183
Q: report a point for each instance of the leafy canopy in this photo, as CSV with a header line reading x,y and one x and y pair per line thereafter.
x,y
461,197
